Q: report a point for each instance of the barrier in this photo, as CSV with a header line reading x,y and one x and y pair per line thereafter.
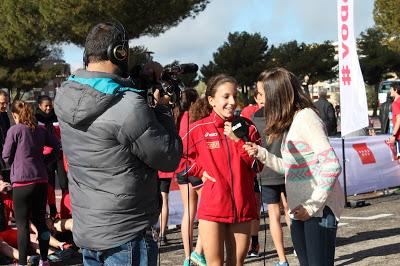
x,y
370,166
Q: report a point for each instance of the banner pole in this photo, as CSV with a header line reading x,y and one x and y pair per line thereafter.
x,y
346,203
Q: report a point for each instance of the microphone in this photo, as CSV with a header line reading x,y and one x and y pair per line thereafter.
x,y
182,69
240,128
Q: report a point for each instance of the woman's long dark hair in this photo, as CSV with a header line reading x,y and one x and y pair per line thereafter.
x,y
24,111
284,96
188,97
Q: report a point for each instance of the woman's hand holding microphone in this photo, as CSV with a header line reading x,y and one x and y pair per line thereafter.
x,y
251,148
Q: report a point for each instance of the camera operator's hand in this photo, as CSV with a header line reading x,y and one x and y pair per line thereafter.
x,y
165,99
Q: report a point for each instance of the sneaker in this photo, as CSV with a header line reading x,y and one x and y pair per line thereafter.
x,y
253,252
198,259
282,263
34,260
186,262
44,263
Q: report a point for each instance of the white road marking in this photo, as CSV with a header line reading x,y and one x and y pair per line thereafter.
x,y
373,217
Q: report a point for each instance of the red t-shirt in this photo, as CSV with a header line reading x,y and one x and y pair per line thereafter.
x,y
395,112
249,110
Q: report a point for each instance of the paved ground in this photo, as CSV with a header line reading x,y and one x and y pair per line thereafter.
x,y
367,235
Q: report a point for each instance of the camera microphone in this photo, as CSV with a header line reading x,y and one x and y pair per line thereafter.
x,y
182,69
240,128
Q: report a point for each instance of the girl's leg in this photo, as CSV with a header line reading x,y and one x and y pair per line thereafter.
x,y
199,246
213,234
237,239
38,218
255,227
164,214
62,176
189,201
22,198
286,209
274,213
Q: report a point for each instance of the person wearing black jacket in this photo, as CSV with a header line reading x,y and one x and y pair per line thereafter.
x,y
384,111
47,118
326,112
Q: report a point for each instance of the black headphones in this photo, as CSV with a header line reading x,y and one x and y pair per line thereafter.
x,y
117,51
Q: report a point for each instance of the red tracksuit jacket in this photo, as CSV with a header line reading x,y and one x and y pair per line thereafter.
x,y
231,198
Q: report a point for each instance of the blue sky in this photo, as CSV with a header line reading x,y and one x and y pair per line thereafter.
x,y
195,40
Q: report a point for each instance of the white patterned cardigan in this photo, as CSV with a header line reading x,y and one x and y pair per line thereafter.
x,y
310,165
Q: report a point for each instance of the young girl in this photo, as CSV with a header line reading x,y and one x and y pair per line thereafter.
x,y
311,167
212,151
189,188
46,118
23,151
189,194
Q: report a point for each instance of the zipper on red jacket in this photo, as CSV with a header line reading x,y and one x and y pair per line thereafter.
x,y
231,174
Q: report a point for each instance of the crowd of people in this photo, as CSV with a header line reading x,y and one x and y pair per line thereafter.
x,y
121,153
30,148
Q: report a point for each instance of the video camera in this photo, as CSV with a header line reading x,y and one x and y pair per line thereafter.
x,y
169,83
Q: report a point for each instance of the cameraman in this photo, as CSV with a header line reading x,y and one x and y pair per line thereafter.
x,y
115,144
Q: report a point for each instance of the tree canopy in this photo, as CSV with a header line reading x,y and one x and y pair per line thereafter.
x,y
242,56
29,29
309,62
70,20
387,19
376,59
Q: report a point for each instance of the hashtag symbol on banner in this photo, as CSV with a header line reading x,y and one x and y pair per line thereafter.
x,y
346,79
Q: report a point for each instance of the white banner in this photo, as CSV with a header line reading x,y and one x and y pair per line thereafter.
x,y
369,167
353,98
370,164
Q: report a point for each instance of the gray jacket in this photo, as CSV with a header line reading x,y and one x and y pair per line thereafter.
x,y
115,144
268,176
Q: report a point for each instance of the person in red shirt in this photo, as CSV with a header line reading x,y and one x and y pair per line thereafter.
x,y
213,152
395,137
250,109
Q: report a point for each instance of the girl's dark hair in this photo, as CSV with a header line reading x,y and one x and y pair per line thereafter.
x,y
284,96
188,97
43,98
202,108
24,111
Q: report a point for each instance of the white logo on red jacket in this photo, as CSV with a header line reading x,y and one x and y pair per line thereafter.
x,y
210,134
213,145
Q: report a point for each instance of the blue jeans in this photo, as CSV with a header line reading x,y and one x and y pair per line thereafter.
x,y
314,240
141,251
